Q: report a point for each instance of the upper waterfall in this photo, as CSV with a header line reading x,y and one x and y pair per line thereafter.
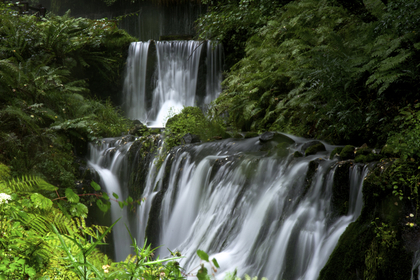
x,y
164,76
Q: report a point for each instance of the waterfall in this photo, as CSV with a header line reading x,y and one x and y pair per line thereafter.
x,y
249,203
261,212
177,68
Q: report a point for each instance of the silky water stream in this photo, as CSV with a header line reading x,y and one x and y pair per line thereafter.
x,y
249,203
254,207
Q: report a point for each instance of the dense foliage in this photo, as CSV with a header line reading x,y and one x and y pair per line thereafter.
x,y
48,106
316,69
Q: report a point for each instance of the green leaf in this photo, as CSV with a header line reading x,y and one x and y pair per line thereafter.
x,y
202,274
102,206
216,264
95,186
115,195
40,201
105,196
121,204
203,255
71,196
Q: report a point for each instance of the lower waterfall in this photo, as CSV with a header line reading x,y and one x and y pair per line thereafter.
x,y
250,203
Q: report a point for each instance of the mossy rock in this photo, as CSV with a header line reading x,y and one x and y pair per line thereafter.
x,y
347,152
251,134
336,152
297,154
313,147
368,158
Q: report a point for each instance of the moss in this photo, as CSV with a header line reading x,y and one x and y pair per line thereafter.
x,y
315,148
297,154
251,134
335,152
347,152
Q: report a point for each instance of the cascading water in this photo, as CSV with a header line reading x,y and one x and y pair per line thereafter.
x,y
250,203
178,65
253,207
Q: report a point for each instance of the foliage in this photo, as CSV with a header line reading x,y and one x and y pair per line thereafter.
x,y
405,140
39,241
315,69
47,111
232,22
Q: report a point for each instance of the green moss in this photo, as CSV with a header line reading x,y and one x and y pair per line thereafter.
x,y
335,152
318,147
251,134
347,152
297,154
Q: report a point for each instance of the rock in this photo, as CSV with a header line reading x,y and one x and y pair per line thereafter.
x,y
336,152
251,134
190,138
313,147
347,152
297,154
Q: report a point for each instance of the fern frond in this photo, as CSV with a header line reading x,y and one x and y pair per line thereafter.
x,y
29,184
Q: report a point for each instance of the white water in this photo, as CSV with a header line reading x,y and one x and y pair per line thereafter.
x,y
108,160
175,79
246,209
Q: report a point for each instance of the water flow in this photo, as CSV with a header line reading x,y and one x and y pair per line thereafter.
x,y
110,162
177,73
134,90
250,211
179,66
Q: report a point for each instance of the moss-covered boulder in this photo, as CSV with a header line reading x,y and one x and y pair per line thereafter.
x,y
251,134
336,152
347,152
313,147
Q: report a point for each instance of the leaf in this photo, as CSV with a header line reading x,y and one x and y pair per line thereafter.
x,y
202,274
95,186
216,264
41,201
121,204
105,196
203,255
71,196
102,206
115,195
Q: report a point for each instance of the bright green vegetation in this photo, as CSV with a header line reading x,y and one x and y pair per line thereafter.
x,y
41,239
319,69
50,101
